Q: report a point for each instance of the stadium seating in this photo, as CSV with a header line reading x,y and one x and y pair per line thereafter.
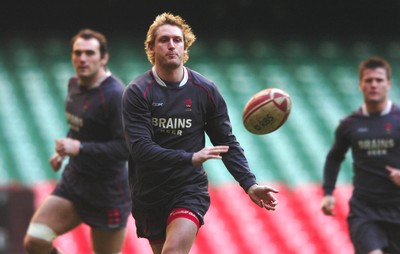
x,y
320,76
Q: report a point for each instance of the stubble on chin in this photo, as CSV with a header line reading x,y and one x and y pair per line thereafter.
x,y
172,65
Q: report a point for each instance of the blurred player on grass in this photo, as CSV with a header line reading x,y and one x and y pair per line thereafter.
x,y
373,135
94,187
166,113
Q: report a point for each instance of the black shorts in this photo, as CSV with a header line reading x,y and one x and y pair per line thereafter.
x,y
101,203
151,223
374,227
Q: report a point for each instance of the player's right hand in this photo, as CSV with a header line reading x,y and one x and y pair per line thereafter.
x,y
56,161
328,205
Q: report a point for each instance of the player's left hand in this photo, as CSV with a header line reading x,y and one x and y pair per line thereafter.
x,y
211,152
67,146
262,195
56,161
394,175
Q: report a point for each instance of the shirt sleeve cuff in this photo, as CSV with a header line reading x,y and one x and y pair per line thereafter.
x,y
247,184
81,148
187,158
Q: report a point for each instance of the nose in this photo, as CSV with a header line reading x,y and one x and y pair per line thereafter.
x,y
374,83
171,44
82,57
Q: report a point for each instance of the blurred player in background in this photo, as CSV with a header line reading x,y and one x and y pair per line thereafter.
x,y
166,113
94,187
373,134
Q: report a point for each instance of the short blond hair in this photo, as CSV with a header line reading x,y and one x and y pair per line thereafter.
x,y
167,18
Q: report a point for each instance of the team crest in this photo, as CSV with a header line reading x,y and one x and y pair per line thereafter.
x,y
188,105
388,128
86,106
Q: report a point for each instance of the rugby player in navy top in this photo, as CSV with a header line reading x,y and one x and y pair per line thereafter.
x,y
373,135
166,113
94,187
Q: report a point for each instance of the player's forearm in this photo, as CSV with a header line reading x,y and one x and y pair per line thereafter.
x,y
149,152
115,149
238,167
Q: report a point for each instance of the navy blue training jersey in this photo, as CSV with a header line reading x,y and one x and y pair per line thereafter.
x,y
375,142
94,118
164,126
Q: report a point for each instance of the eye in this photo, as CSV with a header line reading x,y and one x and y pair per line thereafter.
x,y
77,53
164,39
90,52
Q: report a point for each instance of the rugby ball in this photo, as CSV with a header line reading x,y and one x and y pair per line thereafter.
x,y
267,111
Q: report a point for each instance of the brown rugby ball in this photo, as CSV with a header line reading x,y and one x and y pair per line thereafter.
x,y
267,111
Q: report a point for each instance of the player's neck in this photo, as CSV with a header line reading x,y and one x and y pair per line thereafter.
x,y
170,74
376,107
95,80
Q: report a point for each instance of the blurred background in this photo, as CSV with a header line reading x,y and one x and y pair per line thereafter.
x,y
311,49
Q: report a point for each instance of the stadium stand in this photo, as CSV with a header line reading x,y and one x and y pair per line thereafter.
x,y
321,78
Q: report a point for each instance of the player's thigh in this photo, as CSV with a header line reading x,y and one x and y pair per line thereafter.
x,y
108,241
376,252
367,235
181,233
57,213
393,231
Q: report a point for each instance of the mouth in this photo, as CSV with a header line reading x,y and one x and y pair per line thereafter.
x,y
82,68
171,55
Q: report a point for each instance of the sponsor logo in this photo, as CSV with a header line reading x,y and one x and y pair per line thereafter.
x,y
75,122
174,126
376,147
157,104
362,129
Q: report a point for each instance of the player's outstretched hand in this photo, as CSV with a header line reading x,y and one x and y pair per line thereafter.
x,y
328,205
394,175
262,195
211,152
56,161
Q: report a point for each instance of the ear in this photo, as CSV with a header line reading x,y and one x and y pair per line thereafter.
x,y
105,58
150,47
